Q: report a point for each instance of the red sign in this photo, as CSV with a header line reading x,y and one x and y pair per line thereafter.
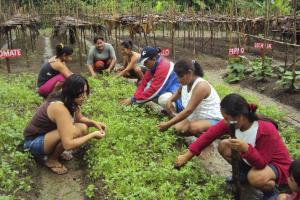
x,y
10,53
259,45
236,51
165,52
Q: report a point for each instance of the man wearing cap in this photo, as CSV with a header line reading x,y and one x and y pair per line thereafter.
x,y
159,81
101,56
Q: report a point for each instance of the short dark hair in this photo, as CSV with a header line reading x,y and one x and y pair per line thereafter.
x,y
98,38
294,171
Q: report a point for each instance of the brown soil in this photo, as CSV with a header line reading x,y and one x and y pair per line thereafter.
x,y
269,88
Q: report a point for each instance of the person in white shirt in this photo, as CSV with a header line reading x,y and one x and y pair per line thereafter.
x,y
200,101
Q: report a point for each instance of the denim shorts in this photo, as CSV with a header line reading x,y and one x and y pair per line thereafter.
x,y
35,144
213,121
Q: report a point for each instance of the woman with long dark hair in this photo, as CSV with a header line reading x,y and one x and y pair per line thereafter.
x,y
200,101
265,160
58,124
54,72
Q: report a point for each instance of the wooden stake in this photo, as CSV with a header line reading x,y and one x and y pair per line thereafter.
x,y
294,49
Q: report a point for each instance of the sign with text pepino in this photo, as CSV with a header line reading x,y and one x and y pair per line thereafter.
x,y
236,51
10,53
165,52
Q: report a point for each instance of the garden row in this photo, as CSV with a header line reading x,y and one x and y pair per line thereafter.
x,y
135,160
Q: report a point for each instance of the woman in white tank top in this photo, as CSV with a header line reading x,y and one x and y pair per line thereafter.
x,y
200,101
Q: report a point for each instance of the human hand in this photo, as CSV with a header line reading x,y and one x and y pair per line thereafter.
x,y
100,125
239,145
126,102
98,134
163,126
183,159
109,70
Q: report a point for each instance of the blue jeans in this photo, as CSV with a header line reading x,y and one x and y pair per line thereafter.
x,y
35,144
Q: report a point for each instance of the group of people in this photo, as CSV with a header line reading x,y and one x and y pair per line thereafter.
x,y
192,103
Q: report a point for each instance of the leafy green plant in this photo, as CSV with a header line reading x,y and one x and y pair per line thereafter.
x,y
260,72
288,81
90,191
236,69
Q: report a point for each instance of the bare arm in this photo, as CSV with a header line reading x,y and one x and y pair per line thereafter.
x,y
129,66
62,68
200,92
89,122
90,67
61,116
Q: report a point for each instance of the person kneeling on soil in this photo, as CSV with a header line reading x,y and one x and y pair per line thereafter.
x,y
130,68
200,101
101,56
54,72
265,159
294,182
58,124
159,81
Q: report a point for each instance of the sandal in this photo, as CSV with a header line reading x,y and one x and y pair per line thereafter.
x,y
57,169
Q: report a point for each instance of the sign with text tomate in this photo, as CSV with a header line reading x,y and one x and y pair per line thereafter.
x,y
10,53
165,52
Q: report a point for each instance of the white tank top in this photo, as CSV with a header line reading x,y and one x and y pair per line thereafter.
x,y
209,108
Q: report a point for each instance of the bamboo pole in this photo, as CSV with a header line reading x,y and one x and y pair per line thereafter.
x,y
266,31
7,59
294,49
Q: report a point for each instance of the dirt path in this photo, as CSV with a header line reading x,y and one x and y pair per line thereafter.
x,y
62,187
292,115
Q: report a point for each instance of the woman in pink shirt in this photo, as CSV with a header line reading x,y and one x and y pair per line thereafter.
x,y
264,157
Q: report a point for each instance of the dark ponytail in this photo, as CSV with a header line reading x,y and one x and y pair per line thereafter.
x,y
183,66
127,44
63,49
235,105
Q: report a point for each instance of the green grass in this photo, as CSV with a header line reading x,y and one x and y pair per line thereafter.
x,y
135,159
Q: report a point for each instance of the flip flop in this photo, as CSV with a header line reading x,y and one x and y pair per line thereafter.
x,y
59,170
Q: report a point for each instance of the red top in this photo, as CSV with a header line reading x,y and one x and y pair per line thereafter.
x,y
269,147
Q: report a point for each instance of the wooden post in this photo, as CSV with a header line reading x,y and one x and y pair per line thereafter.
x,y
292,87
235,160
194,37
184,35
7,59
25,44
266,31
76,30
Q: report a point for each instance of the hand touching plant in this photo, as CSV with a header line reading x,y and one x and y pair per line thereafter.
x,y
126,102
239,145
163,126
183,159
